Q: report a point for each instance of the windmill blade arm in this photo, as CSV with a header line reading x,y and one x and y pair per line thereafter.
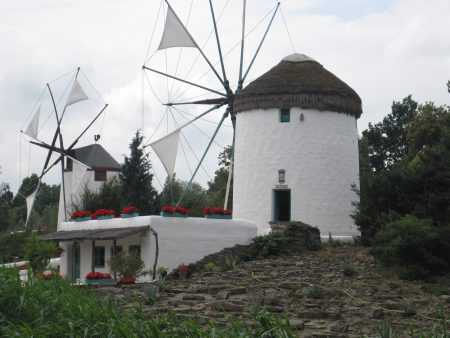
x,y
221,101
185,81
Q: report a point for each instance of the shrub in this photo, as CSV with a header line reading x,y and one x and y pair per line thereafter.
x,y
38,253
273,244
414,247
127,265
210,267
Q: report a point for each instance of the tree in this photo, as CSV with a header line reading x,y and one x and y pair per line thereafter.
x,y
386,140
217,187
38,253
195,198
136,178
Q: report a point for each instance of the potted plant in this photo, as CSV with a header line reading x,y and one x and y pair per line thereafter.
x,y
102,214
217,213
81,216
128,266
129,211
161,271
170,211
99,278
183,270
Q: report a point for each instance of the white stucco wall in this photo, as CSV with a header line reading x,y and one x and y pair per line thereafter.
x,y
181,240
74,182
320,156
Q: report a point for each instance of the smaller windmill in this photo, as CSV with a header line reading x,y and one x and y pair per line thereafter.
x,y
56,145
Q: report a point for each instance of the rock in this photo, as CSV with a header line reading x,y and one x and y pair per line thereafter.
x,y
213,289
445,298
227,306
296,323
339,326
237,291
192,297
375,313
222,295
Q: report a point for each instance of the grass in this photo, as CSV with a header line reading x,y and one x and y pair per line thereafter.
x,y
41,308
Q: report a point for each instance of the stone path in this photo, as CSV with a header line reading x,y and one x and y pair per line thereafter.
x,y
311,288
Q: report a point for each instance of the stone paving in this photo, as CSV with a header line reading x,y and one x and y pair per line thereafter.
x,y
310,288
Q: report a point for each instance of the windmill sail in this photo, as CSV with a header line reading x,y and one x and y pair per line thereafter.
x,y
32,129
77,94
166,148
30,201
175,34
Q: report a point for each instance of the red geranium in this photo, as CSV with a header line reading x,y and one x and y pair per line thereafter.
x,y
98,275
183,267
48,276
131,209
217,211
80,214
180,210
104,212
126,280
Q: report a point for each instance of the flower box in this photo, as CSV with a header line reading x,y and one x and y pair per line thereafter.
x,y
82,219
126,280
218,216
134,214
100,218
102,281
173,214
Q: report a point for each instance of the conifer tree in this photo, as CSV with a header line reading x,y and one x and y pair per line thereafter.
x,y
137,179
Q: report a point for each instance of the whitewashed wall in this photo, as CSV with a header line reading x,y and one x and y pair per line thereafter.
x,y
75,181
320,156
181,240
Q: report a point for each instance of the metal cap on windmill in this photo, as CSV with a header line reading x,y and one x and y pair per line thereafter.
x,y
299,81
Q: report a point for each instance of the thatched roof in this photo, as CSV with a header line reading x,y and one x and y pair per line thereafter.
x,y
299,81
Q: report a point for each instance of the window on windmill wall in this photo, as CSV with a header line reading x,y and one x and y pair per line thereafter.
x,y
99,256
100,175
285,115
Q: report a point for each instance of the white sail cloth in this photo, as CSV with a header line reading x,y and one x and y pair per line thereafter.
x,y
166,148
33,126
30,201
175,34
77,94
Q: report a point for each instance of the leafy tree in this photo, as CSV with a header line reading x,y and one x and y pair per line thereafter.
x,y
38,253
136,178
6,200
195,199
217,187
386,140
109,196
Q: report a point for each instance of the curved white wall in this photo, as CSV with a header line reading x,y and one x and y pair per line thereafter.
x,y
320,156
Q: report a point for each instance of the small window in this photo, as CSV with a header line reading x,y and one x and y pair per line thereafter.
x,y
99,256
285,115
135,249
118,250
100,176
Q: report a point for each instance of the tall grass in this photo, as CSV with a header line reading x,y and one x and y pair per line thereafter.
x,y
53,308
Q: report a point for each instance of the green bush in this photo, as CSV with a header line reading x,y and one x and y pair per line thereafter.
x,y
127,265
273,244
38,253
414,247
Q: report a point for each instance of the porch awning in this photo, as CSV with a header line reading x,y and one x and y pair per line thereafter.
x,y
97,234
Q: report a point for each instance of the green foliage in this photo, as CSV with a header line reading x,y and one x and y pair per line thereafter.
x,y
6,201
195,198
43,308
408,307
38,253
136,179
315,292
229,263
217,187
109,196
127,265
273,244
347,268
12,246
414,247
385,330
210,267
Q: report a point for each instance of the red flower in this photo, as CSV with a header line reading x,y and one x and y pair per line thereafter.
x,y
183,267
126,280
206,210
104,212
180,210
80,214
98,275
131,209
217,211
168,208
48,276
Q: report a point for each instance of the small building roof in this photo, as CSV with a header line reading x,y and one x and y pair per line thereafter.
x,y
299,81
96,157
93,234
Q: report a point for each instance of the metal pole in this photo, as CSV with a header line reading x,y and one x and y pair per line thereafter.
x,y
203,157
185,81
260,44
240,82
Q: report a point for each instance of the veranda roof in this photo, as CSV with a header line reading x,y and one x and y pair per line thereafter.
x,y
97,234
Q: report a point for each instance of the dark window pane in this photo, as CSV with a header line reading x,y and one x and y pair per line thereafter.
x,y
135,249
99,256
285,115
100,176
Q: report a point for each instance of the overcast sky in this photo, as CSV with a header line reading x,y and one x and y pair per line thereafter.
x,y
384,49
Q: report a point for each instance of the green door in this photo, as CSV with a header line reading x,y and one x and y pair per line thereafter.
x,y
282,205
